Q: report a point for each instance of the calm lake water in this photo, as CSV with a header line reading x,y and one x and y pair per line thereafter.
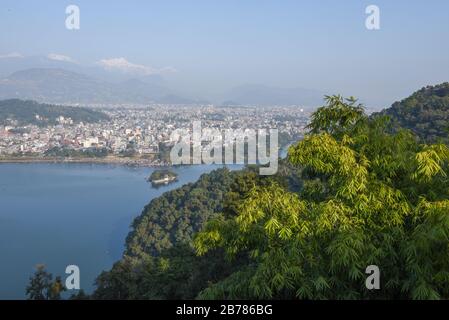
x,y
62,214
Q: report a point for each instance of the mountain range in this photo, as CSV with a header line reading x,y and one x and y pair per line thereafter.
x,y
55,85
55,79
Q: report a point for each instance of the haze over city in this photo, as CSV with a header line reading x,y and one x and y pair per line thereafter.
x,y
211,51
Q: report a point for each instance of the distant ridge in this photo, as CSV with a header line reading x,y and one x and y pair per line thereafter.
x,y
26,112
57,85
63,85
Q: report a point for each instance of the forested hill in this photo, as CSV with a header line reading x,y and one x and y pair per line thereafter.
x,y
425,112
159,261
178,214
25,112
365,197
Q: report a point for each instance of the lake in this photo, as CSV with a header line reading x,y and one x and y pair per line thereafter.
x,y
63,214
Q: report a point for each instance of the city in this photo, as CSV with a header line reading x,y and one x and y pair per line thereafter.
x,y
139,135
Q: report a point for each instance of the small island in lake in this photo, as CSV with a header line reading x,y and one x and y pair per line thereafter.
x,y
162,177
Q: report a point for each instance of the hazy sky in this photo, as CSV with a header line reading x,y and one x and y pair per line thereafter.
x,y
214,45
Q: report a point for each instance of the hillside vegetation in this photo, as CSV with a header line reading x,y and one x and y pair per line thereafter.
x,y
26,112
351,194
425,113
365,197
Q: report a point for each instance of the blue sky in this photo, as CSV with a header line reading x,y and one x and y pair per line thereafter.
x,y
215,45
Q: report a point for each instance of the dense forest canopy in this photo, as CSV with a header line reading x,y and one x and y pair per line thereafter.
x,y
425,112
351,194
160,261
30,112
369,198
178,214
365,196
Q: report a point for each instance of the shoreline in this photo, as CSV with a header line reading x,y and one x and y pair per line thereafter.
x,y
115,161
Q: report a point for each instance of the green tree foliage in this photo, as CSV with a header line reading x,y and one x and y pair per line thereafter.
x,y
364,196
161,174
80,295
56,288
178,214
39,284
149,271
42,287
177,273
25,112
368,197
164,152
425,112
64,152
158,262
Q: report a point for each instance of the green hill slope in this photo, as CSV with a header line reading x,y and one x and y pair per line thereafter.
x,y
425,112
26,112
